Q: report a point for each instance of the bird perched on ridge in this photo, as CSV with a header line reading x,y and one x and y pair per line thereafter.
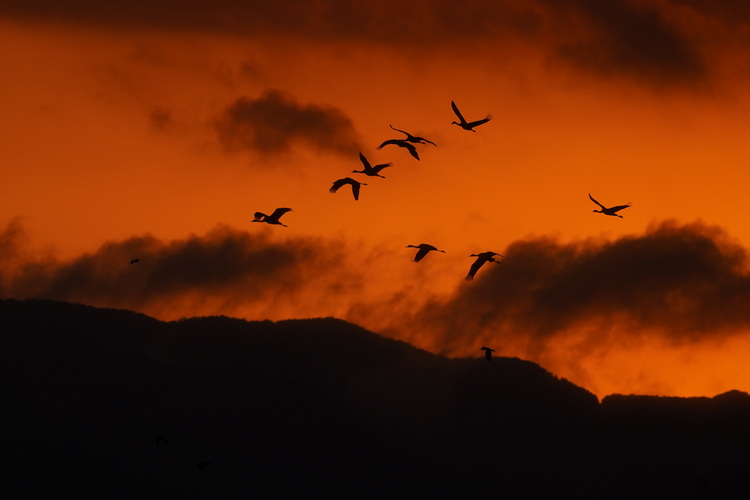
x,y
481,259
424,249
347,180
608,211
487,352
413,138
369,169
273,218
401,143
467,125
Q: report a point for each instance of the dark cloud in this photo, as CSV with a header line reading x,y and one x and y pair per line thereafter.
x,y
683,283
620,37
730,12
688,282
161,118
274,122
425,20
223,269
645,41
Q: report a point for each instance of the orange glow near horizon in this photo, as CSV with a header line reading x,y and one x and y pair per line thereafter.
x,y
111,134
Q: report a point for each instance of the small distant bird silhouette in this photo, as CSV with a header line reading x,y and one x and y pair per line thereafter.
x,y
424,249
609,211
463,123
134,261
273,218
347,180
203,465
160,440
369,169
487,353
481,259
413,138
401,143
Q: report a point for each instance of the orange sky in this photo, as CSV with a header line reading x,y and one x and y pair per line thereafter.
x,y
118,141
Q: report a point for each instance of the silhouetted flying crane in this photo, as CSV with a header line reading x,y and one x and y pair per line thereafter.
x,y
424,249
347,180
402,143
464,124
487,353
413,138
481,259
273,218
369,169
608,211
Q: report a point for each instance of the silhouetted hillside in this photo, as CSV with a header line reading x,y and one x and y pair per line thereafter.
x,y
322,408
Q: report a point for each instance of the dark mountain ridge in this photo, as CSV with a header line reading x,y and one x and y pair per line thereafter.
x,y
322,407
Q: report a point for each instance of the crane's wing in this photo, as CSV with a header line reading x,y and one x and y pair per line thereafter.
x,y
364,161
355,189
619,207
337,184
474,268
378,168
480,122
279,212
412,149
390,141
421,253
399,130
458,113
592,199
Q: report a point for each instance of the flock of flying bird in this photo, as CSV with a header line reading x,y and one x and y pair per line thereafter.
x,y
409,143
423,248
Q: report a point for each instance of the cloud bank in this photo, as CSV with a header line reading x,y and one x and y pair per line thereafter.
x,y
215,273
655,43
684,283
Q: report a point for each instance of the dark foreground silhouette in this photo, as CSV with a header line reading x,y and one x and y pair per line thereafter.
x,y
324,409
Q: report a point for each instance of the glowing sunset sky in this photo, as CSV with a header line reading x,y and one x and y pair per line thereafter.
x,y
155,130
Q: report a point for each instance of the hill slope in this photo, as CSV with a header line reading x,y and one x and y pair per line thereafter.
x,y
322,407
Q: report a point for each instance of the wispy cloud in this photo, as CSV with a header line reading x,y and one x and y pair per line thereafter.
x,y
274,122
11,239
